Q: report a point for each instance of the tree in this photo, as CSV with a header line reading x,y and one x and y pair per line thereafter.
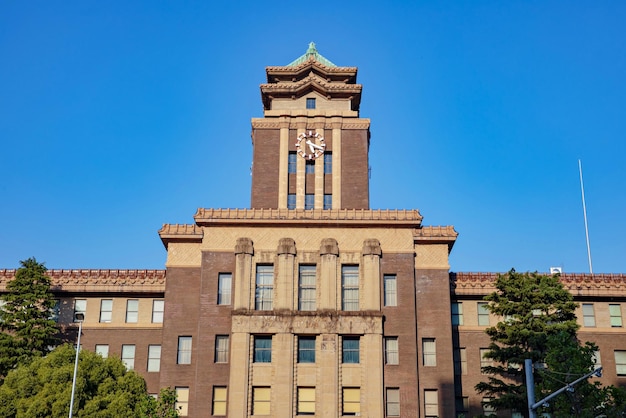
x,y
164,407
539,323
104,388
27,316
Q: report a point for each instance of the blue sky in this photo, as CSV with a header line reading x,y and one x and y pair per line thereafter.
x,y
117,117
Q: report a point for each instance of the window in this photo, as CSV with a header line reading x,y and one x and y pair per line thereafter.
x,y
483,314
263,349
351,398
154,358
462,405
350,288
328,162
224,285
620,362
392,404
132,310
615,311
221,348
54,314
80,306
184,350
457,313
391,350
589,317
306,349
128,356
310,102
103,350
309,168
431,403
306,288
487,408
292,162
597,360
157,311
306,401
484,360
460,361
429,352
106,310
309,199
261,397
391,292
328,201
219,400
182,400
350,350
264,288
291,201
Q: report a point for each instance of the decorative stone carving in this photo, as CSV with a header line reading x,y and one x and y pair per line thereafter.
x,y
329,247
372,247
286,246
244,246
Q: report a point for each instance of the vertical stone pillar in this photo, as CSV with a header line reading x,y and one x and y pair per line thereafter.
x,y
327,291
370,294
283,376
300,168
283,288
372,375
239,377
243,282
328,376
283,163
319,177
336,124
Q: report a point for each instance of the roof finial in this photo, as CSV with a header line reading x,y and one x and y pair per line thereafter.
x,y
312,50
311,53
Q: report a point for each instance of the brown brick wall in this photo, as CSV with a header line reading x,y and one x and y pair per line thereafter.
x,y
354,167
265,179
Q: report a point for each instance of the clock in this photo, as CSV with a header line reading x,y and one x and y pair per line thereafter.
x,y
310,145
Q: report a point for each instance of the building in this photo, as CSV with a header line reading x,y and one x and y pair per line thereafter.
x,y
310,302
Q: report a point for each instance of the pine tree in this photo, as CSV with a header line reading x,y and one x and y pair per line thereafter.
x,y
26,317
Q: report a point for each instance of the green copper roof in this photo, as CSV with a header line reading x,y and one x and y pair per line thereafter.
x,y
311,52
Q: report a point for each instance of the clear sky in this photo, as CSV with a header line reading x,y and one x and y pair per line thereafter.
x,y
119,116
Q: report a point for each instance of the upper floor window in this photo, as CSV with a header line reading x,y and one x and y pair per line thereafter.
x,y
615,311
307,292
132,310
306,401
128,356
306,349
219,400
221,348
391,292
391,350
392,402
485,361
620,362
158,306
106,310
350,350
429,352
224,284
431,403
328,201
457,313
483,314
184,350
351,402
291,201
460,361
350,288
103,350
328,162
263,349
589,317
292,162
80,307
154,358
309,201
309,167
264,287
182,400
310,103
261,400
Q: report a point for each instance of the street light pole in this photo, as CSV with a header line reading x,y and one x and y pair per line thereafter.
x,y
80,317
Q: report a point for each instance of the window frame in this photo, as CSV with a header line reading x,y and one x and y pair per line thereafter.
x,y
392,354
309,199
482,311
222,350
132,315
219,403
100,351
457,313
390,290
224,288
615,315
184,349
311,103
264,287
307,287
350,287
292,162
127,359
306,349
431,403
154,358
261,400
304,404
262,349
351,349
349,404
328,162
589,315
620,362
80,309
429,352
156,313
182,400
392,402
106,313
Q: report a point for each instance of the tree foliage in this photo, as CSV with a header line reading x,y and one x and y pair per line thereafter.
x,y
163,407
538,322
27,316
104,388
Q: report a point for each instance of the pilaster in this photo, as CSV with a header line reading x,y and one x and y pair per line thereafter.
x,y
284,286
243,272
370,296
327,293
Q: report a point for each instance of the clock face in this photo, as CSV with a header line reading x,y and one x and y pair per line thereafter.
x,y
310,145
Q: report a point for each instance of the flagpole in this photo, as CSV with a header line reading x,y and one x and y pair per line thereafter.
x,y
582,190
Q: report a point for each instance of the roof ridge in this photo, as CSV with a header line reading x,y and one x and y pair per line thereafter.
x,y
311,53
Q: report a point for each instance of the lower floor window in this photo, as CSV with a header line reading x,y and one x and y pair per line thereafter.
x,y
393,402
306,401
351,401
431,403
219,400
182,400
261,399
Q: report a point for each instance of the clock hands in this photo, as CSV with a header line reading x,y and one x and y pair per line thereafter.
x,y
312,145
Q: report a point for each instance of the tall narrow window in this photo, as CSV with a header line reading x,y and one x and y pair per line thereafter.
x,y
224,285
328,162
184,350
391,290
264,288
182,400
219,400
310,102
309,168
351,404
309,199
103,350
80,307
158,306
483,314
589,317
132,310
484,360
429,352
350,288
615,311
307,288
154,358
391,350
620,362
350,350
462,405
128,356
306,349
306,401
261,400
457,313
392,402
460,361
56,310
292,163
106,310
328,201
488,409
221,348
263,349
431,403
291,201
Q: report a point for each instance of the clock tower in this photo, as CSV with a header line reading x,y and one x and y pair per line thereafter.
x,y
310,148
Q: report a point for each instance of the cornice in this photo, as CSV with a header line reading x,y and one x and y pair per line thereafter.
x,y
436,235
92,280
329,122
307,66
180,233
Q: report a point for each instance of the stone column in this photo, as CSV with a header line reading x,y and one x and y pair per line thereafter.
x,y
319,177
370,287
283,164
336,124
243,283
283,288
239,378
327,286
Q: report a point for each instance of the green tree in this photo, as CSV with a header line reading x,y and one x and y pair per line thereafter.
x,y
163,407
104,388
539,323
26,318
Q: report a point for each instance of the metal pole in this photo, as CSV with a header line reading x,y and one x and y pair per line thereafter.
x,y
582,190
80,329
530,387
